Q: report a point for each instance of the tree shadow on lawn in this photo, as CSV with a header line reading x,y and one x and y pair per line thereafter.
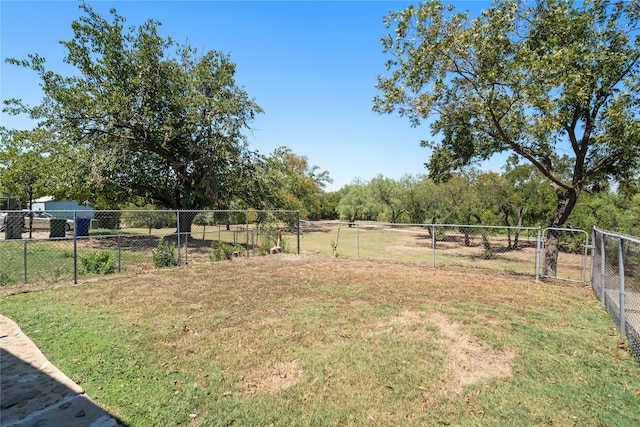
x,y
144,242
34,392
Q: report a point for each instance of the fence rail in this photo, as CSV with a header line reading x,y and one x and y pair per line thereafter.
x,y
615,278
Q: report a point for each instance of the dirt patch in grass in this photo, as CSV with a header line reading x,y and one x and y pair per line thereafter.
x,y
470,360
272,378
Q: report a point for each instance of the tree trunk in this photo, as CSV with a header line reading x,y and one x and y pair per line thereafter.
x,y
505,212
352,219
467,241
185,220
483,233
30,212
566,202
516,236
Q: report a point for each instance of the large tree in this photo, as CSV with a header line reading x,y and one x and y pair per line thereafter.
x,y
149,118
24,168
356,202
538,79
388,193
296,184
427,202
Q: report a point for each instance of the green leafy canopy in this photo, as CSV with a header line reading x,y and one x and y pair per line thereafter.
x,y
147,117
537,79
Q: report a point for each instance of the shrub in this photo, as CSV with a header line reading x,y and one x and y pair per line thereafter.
x,y
221,251
165,254
487,254
266,243
99,263
217,251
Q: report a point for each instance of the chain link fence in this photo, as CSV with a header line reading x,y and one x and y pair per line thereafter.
x,y
615,278
511,249
48,247
54,246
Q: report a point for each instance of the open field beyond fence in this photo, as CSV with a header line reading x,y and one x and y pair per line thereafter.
x,y
318,340
492,248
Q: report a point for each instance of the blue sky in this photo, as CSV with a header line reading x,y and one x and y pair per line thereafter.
x,y
311,65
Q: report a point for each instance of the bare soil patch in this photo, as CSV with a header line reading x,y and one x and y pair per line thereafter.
x,y
272,378
469,359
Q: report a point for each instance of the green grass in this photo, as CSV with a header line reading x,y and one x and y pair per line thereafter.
x,y
323,341
45,262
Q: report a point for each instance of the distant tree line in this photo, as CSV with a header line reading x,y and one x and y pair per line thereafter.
x,y
517,197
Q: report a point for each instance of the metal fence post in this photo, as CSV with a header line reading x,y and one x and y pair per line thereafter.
x,y
298,215
593,257
178,233
75,248
357,241
119,253
433,246
623,331
538,248
584,260
24,261
602,269
247,234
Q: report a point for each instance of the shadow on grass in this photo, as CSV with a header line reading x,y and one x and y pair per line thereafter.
x,y
30,396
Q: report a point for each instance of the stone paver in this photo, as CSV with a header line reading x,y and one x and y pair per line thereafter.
x,y
33,392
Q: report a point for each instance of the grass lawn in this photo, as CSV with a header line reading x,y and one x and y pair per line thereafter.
x,y
312,340
44,261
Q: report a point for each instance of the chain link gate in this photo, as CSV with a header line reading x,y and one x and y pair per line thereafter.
x,y
572,254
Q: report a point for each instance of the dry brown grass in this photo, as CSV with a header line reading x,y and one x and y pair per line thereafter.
x,y
316,340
